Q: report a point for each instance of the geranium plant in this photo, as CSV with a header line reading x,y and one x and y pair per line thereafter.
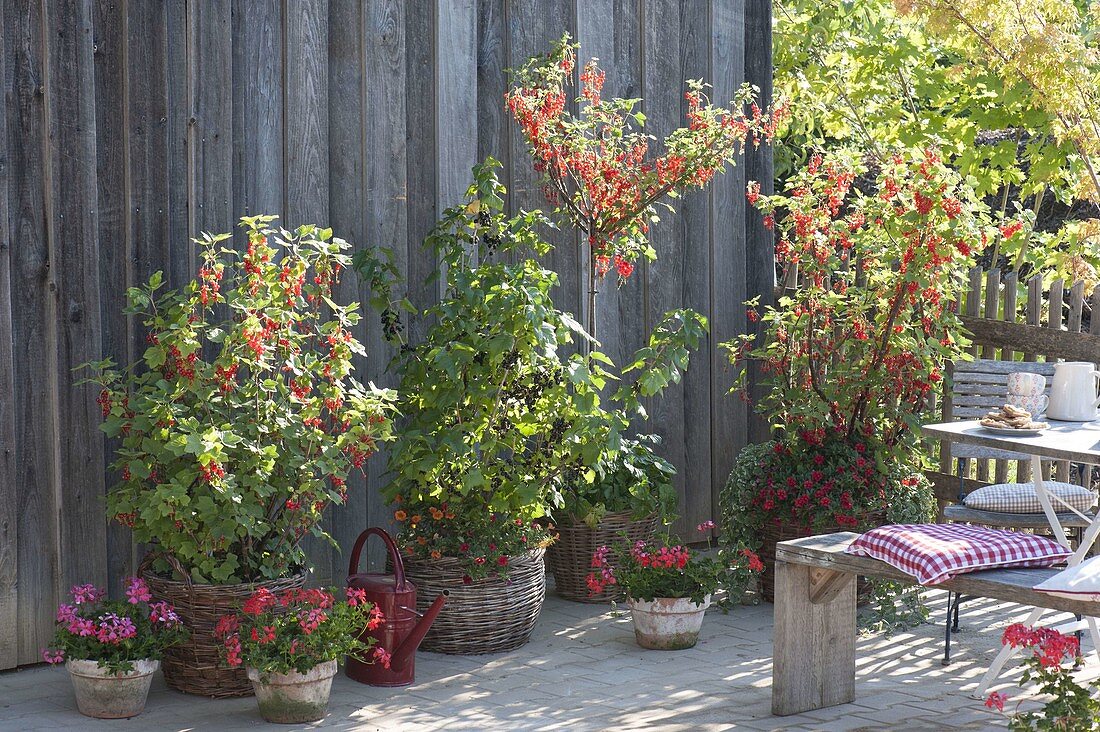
x,y
663,568
240,423
295,630
1070,706
115,633
598,171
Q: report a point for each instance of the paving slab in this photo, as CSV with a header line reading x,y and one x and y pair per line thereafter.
x,y
583,671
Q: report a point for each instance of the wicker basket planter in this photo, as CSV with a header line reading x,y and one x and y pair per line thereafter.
x,y
772,535
487,616
195,667
570,557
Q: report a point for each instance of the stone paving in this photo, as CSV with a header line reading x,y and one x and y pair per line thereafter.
x,y
582,671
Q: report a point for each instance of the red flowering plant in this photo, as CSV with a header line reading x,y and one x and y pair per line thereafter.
x,y
1070,706
295,630
115,633
597,167
852,355
665,568
241,422
854,351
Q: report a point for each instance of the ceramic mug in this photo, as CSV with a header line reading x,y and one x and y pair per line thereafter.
x,y
1036,404
1023,383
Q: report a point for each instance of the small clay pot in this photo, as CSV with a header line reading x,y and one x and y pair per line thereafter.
x,y
294,698
106,695
667,623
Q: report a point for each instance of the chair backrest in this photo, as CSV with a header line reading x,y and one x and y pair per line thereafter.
x,y
980,386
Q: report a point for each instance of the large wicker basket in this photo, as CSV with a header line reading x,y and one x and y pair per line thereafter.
x,y
195,667
486,616
772,535
570,557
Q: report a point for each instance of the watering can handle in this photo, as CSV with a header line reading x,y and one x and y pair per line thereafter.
x,y
395,555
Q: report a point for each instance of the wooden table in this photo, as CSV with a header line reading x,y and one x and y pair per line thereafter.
x,y
1077,442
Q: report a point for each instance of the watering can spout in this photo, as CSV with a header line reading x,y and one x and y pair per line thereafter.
x,y
407,649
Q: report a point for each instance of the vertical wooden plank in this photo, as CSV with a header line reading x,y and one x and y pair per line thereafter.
x,y
210,136
258,114
493,130
609,31
991,311
1055,319
149,153
34,328
694,256
1094,312
306,112
1011,291
111,29
306,155
1073,324
71,223
729,413
533,26
973,308
991,307
421,144
10,620
386,171
814,663
1033,315
662,81
347,104
760,243
183,255
455,98
1076,306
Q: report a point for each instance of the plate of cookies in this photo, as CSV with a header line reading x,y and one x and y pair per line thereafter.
x,y
1011,420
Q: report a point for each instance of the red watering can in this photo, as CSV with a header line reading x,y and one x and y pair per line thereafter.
x,y
402,629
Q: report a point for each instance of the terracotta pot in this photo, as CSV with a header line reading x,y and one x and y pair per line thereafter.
x,y
294,698
106,695
667,623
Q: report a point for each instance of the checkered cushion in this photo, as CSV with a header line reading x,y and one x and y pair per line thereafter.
x,y
1021,498
935,553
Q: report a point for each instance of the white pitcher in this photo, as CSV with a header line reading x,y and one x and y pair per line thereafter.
x,y
1073,395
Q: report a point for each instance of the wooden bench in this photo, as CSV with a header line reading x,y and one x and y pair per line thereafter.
x,y
814,659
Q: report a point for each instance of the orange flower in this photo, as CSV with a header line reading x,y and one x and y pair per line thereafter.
x,y
436,554
416,518
397,498
450,515
400,515
436,513
421,540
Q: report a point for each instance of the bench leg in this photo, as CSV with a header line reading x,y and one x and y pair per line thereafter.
x,y
814,656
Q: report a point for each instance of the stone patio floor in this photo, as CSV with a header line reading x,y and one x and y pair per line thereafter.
x,y
582,671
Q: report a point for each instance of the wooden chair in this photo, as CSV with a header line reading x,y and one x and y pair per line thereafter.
x,y
979,386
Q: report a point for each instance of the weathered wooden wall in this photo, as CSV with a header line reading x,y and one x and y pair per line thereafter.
x,y
131,125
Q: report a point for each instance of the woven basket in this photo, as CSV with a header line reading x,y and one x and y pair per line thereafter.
x,y
771,535
570,557
195,666
487,616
